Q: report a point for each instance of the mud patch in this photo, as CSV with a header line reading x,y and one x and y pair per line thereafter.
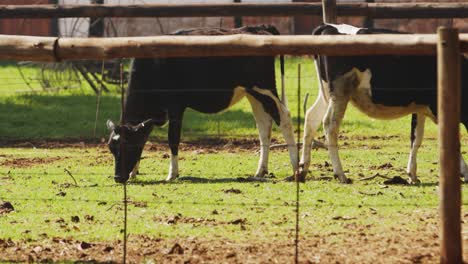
x,y
6,207
207,146
28,162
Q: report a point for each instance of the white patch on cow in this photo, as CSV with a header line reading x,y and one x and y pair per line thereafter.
x,y
173,168
239,93
361,98
285,126
345,29
418,137
116,137
134,172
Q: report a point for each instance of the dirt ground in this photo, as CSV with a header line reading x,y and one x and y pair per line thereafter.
x,y
359,247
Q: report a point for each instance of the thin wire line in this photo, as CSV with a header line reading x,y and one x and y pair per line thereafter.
x,y
237,204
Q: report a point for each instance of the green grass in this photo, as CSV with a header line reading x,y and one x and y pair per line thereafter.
x,y
71,114
268,208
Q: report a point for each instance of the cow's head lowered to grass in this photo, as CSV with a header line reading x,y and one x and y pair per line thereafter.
x,y
126,143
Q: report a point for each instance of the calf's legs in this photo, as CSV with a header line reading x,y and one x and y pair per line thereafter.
x,y
264,123
313,119
331,123
416,140
175,126
284,121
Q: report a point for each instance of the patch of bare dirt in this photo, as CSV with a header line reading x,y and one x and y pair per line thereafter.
x,y
201,221
53,143
359,247
27,162
202,146
6,207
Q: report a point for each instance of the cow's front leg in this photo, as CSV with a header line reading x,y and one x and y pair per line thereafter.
x,y
264,123
175,126
283,119
463,169
331,123
134,172
417,134
313,119
288,134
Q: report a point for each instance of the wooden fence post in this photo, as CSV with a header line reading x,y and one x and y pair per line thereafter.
x,y
237,19
329,11
448,75
368,20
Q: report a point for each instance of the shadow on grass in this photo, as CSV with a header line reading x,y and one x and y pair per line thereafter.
x,y
196,180
73,116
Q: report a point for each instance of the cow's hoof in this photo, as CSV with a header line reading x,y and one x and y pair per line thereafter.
x,y
133,175
120,179
262,174
292,178
344,180
172,177
415,181
465,179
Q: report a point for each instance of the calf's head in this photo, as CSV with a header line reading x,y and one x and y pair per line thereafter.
x,y
126,143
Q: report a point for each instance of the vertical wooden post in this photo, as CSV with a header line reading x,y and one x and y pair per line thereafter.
x,y
237,19
369,21
448,75
96,24
329,11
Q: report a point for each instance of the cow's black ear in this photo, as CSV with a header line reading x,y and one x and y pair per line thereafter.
x,y
110,125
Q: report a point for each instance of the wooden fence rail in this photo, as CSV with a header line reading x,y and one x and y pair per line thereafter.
x,y
57,49
374,10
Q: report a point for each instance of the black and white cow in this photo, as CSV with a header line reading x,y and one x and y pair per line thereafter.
x,y
160,90
383,87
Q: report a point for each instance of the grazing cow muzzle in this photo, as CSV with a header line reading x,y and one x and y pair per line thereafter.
x,y
125,143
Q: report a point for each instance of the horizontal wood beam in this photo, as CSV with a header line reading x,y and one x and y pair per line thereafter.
x,y
374,10
57,49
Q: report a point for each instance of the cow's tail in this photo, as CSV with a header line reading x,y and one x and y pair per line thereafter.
x,y
283,93
414,124
319,80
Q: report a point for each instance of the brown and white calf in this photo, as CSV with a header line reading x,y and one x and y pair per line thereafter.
x,y
382,87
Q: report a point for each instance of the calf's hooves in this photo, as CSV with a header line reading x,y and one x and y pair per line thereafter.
x,y
344,180
172,177
293,178
119,179
290,178
414,181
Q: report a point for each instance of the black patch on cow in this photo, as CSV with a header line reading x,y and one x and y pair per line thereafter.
x,y
268,104
396,80
256,30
